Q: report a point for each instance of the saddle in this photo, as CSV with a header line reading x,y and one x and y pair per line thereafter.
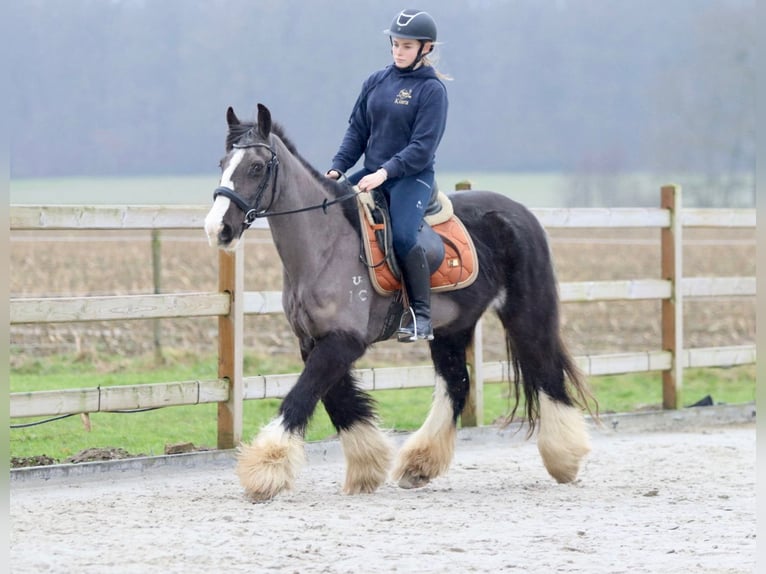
x,y
453,262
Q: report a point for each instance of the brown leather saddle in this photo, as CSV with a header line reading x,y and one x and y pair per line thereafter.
x,y
453,261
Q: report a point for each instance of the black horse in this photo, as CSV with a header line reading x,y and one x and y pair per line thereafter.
x,y
336,316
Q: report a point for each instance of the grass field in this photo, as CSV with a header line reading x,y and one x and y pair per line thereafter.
x,y
149,432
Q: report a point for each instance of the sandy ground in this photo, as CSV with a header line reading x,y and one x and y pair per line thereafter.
x,y
653,502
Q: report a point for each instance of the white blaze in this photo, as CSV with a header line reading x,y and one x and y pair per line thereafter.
x,y
214,218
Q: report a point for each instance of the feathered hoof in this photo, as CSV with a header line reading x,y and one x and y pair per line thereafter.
x,y
563,440
368,457
418,466
424,457
366,484
409,481
564,470
267,467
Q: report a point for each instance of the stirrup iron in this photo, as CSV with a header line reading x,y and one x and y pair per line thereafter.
x,y
408,328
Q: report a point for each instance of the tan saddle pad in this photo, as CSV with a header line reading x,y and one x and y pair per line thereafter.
x,y
459,268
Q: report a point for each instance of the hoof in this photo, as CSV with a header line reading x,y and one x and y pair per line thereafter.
x,y
563,439
428,453
364,487
270,463
368,457
418,466
409,481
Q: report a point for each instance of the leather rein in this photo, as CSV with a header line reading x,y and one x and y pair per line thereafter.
x,y
253,211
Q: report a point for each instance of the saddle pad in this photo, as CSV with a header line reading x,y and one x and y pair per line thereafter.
x,y
459,268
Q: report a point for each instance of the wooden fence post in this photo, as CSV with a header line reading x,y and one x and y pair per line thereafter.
x,y
231,274
157,278
672,308
473,411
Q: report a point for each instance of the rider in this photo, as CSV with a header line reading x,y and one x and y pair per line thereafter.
x,y
397,123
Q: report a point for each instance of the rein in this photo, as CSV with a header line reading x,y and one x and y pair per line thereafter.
x,y
323,206
252,212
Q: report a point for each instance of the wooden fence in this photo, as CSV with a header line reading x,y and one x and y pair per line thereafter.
x,y
232,302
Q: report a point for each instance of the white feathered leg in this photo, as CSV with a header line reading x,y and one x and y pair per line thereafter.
x,y
368,455
429,451
562,438
269,464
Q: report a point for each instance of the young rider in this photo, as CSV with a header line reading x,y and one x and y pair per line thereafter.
x,y
397,123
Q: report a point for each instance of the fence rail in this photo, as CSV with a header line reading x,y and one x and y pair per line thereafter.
x,y
169,306
231,303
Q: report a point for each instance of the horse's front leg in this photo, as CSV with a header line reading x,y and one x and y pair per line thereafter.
x,y
367,449
269,464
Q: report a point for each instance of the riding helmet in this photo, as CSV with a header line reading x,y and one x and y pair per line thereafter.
x,y
413,24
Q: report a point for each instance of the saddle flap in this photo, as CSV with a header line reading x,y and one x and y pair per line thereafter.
x,y
459,266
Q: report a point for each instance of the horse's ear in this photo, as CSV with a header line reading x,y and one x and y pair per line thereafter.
x,y
264,121
231,117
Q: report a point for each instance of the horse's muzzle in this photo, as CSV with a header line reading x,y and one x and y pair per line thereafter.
x,y
225,235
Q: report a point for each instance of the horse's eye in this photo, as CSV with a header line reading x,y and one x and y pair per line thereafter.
x,y
255,168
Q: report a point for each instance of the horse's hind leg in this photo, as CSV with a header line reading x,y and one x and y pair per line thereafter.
x,y
562,439
367,450
429,451
268,465
542,364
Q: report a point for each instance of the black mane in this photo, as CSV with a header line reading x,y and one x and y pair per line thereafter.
x,y
335,188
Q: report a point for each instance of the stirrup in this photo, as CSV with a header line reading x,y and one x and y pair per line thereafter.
x,y
409,333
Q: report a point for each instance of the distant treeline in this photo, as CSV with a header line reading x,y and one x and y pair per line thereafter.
x,y
586,87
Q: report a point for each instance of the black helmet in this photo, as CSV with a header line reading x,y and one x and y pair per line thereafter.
x,y
413,24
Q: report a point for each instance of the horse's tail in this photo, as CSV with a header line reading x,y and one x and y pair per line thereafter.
x,y
554,390
576,391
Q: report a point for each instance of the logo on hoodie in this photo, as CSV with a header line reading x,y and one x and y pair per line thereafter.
x,y
403,97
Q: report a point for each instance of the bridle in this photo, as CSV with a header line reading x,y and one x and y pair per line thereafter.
x,y
254,211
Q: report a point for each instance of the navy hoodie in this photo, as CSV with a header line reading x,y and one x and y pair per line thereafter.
x,y
397,123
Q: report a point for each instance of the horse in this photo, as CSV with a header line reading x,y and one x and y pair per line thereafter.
x,y
336,316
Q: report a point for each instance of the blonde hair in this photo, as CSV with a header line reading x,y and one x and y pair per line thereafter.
x,y
430,60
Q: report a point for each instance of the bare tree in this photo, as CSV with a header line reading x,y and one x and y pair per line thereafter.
x,y
707,103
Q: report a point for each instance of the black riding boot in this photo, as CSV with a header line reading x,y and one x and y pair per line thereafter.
x,y
416,322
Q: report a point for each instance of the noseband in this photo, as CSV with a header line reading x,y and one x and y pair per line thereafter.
x,y
252,212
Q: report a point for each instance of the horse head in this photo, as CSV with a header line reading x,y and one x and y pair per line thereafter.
x,y
248,179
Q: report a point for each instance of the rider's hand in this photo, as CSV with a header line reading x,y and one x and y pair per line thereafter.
x,y
373,180
333,174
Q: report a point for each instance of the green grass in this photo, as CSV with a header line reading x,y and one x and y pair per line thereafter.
x,y
148,432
